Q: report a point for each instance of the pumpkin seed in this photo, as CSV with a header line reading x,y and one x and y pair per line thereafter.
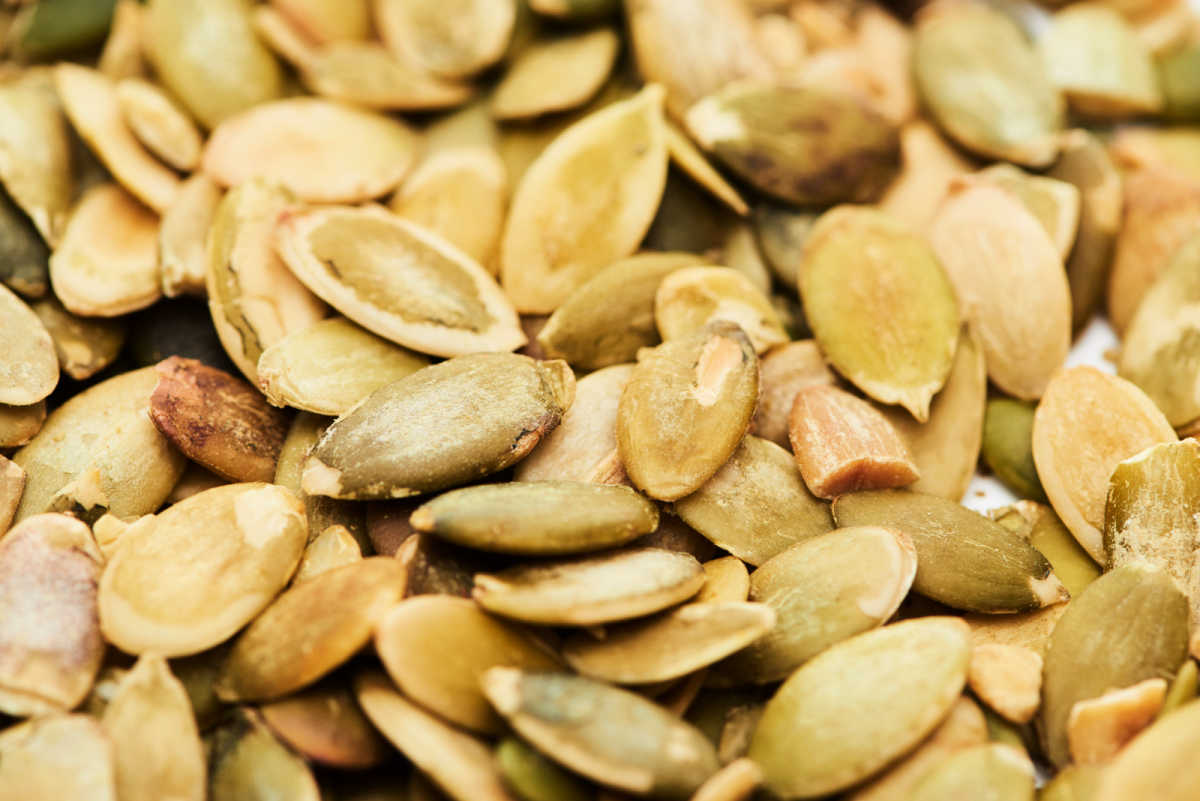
x,y
52,647
325,725
248,762
1086,424
782,232
586,201
84,346
29,371
334,547
591,590
36,163
423,32
688,158
735,782
1070,561
929,165
1053,203
992,772
459,642
893,337
1008,678
1183,688
1158,764
555,75
783,372
1098,728
575,10
1008,446
107,262
19,424
1029,629
160,125
12,484
533,777
24,257
57,756
168,591
685,409
725,579
1175,69
337,609
813,739
328,20
964,560
182,233
690,298
1073,783
122,56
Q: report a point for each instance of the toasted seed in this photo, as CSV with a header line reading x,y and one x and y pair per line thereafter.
x,y
1053,203
801,145
994,250
823,591
725,579
783,372
1098,728
893,337
336,610
1183,688
439,427
182,233
122,55
1097,60
321,151
158,754
929,166
99,452
159,124
957,51
586,201
36,153
685,409
206,54
328,20
57,756
325,725
246,761
452,40
1127,626
29,370
1086,424
334,547
50,643
964,560
534,777
1008,446
12,484
107,263
691,297
84,346
398,280
756,506
609,318
1159,764
992,772
170,591
1008,678
459,642
591,590
688,158
24,257
812,740
607,734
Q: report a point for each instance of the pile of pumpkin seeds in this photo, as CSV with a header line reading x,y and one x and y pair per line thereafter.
x,y
577,400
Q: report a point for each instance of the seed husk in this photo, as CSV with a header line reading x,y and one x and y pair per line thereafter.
x,y
1098,728
685,409
556,74
19,424
736,781
107,262
158,753
325,725
850,581
99,452
57,756
964,560
1129,625
12,484
756,505
1008,446
992,772
1176,70
29,370
725,579
50,643
692,297
957,50
929,166
1046,532
609,735
321,151
24,257
160,125
36,153
458,642
782,232
804,146
207,56
817,734
169,591
421,30
1086,424
123,53
894,338
1073,783
586,201
334,547
1053,203
543,518
591,590
246,761
84,346
182,233
534,777
610,317
398,280
439,427
1183,688
1159,764
337,611
783,372
1008,678
686,156
328,20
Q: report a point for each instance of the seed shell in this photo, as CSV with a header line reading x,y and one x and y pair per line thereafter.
x,y
84,345
1053,203
29,370
992,772
421,30
1159,764
691,297
1008,446
160,125
325,725
534,777
24,257
35,153
56,756
246,761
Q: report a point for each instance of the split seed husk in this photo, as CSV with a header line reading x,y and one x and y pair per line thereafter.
x,y
84,345
29,370
992,772
12,484
692,297
725,579
334,547
57,756
325,725
686,156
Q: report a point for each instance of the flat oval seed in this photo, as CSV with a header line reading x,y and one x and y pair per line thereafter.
x,y
690,298
323,152
459,764
36,150
24,255
84,345
1160,763
555,74
1008,446
159,124
545,518
57,756
182,236
422,30
398,280
685,409
992,772
29,370
1053,203
441,426
334,547
247,762
336,611
325,724
50,643
186,579
535,777
592,590
436,647
586,201
217,420
930,165
19,424
964,560
12,484
823,591
725,579
1087,423
158,753
609,735
880,305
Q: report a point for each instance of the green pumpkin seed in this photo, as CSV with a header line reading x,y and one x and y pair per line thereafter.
x,y
756,506
1129,625
1053,203
36,163
609,735
820,732
84,346
992,772
685,409
964,560
247,763
441,426
893,338
57,756
533,777
29,371
59,27
24,257
557,74
1070,561
690,298
1008,446
325,725
823,591
591,590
